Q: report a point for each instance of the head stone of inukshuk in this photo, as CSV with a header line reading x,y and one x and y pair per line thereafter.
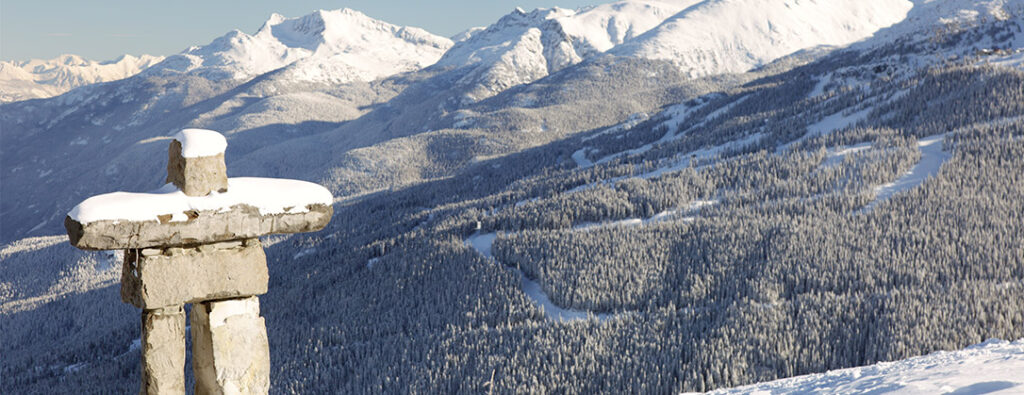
x,y
196,241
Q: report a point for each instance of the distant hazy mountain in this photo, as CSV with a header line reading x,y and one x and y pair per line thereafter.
x,y
325,46
729,36
36,78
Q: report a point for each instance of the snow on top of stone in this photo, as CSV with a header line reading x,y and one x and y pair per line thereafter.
x,y
197,143
269,195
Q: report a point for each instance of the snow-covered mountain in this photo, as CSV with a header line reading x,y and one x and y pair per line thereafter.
x,y
995,366
828,210
326,46
930,16
38,78
723,36
522,47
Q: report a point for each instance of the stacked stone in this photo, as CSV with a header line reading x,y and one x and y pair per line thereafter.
x,y
213,261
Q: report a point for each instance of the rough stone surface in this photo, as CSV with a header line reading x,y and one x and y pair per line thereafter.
x,y
196,176
240,222
163,351
230,352
154,278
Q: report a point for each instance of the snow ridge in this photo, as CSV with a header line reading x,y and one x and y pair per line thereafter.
x,y
326,46
728,36
522,46
38,78
928,16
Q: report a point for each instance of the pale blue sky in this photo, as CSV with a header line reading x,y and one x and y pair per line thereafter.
x,y
103,30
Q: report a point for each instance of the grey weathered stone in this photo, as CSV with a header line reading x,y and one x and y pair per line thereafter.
x,y
240,222
212,260
163,351
230,352
196,176
189,275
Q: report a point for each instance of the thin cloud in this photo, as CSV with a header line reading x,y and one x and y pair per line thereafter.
x,y
58,34
124,35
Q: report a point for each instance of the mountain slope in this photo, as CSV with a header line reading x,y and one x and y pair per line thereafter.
x,y
86,131
35,79
927,17
326,46
702,233
722,36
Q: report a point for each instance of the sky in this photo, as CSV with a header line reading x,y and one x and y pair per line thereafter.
x,y
104,30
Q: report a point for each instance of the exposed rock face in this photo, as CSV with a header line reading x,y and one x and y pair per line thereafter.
x,y
154,278
196,176
230,352
163,351
241,222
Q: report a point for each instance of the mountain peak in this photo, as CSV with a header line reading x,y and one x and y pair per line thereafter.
x,y
324,45
722,36
524,46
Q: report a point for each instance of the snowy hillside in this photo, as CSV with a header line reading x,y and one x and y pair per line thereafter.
x,y
36,78
326,46
992,367
522,47
532,216
723,36
929,16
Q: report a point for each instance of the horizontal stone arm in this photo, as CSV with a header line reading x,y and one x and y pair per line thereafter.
x,y
241,221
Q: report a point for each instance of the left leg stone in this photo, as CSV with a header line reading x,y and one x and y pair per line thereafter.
x,y
163,351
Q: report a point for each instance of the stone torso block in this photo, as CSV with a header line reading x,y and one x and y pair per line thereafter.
x,y
154,278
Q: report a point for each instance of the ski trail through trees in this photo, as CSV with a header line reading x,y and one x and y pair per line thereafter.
x,y
932,158
482,242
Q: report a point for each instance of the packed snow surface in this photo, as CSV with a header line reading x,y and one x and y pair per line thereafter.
x,y
201,142
932,158
992,367
722,36
269,195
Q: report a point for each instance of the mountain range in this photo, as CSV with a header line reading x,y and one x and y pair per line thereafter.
x,y
260,84
638,196
36,79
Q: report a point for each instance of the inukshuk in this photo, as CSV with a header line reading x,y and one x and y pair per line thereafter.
x,y
195,241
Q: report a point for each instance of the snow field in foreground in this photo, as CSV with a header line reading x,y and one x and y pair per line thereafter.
x,y
993,367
